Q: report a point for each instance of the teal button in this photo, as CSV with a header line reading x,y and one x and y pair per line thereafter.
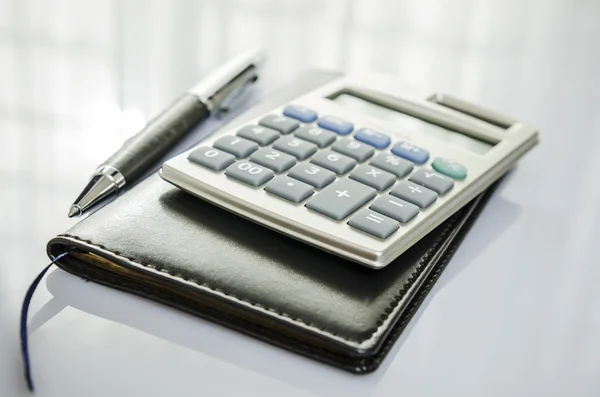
x,y
449,168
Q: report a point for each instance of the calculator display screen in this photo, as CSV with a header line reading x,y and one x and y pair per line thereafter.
x,y
412,123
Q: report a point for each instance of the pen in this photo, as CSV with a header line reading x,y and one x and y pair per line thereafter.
x,y
213,95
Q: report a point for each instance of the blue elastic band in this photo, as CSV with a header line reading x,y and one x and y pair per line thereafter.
x,y
24,311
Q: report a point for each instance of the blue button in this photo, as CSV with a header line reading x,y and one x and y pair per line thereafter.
x,y
336,125
410,152
300,113
373,138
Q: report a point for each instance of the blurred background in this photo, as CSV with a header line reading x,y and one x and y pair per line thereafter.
x,y
79,76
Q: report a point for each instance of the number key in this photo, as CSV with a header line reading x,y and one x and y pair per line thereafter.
x,y
316,135
333,161
296,147
312,174
259,134
356,150
249,173
239,147
211,158
283,124
273,159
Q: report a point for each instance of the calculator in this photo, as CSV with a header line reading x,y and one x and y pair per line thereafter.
x,y
361,166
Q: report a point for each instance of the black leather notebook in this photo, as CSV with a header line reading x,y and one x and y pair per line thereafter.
x,y
159,242
166,245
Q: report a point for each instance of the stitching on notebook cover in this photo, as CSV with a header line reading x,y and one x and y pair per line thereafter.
x,y
384,316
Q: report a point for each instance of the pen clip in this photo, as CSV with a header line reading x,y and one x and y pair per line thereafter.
x,y
227,98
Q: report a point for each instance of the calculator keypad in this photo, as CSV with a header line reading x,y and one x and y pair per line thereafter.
x,y
349,177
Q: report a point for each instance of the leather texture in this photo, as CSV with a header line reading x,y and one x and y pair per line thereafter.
x,y
164,244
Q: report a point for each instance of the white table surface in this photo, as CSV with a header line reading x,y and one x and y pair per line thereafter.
x,y
517,312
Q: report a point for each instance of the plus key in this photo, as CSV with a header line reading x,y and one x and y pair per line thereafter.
x,y
341,199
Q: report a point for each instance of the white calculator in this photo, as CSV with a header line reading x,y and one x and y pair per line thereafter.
x,y
360,166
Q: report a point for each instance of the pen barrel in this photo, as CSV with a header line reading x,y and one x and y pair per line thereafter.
x,y
148,146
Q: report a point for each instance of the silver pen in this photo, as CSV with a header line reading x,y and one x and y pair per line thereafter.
x,y
212,95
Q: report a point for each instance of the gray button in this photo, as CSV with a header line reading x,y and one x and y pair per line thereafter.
x,y
296,147
283,124
373,177
239,147
312,174
211,158
394,164
316,135
289,189
414,193
400,210
339,200
259,134
374,223
333,161
432,180
353,148
273,159
250,173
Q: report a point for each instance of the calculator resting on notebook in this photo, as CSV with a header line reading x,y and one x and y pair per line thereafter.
x,y
362,167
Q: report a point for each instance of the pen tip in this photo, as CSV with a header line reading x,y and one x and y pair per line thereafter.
x,y
74,211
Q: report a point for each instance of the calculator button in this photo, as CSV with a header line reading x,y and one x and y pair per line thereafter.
x,y
300,113
410,152
450,168
273,159
239,147
289,189
259,134
390,163
296,147
316,135
335,124
374,223
432,180
333,161
340,199
211,158
283,124
312,174
250,173
414,193
373,138
400,210
373,177
356,150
